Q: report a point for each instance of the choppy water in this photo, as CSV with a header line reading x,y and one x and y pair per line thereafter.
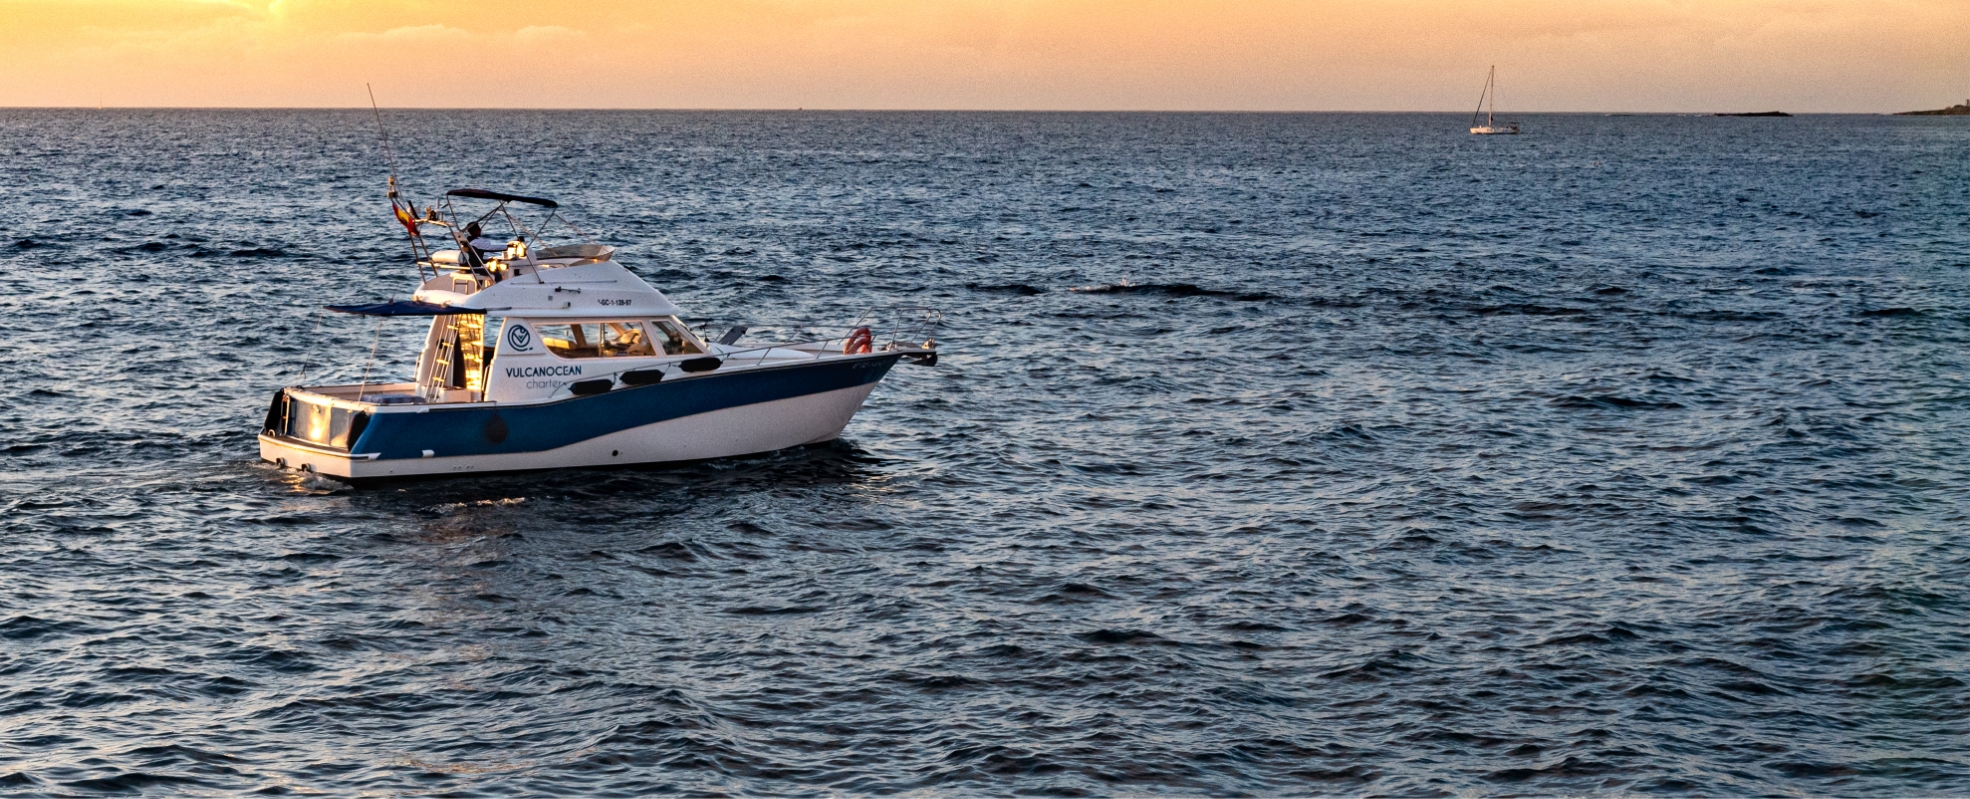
x,y
1269,454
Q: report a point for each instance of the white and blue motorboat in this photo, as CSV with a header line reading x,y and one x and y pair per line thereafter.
x,y
543,357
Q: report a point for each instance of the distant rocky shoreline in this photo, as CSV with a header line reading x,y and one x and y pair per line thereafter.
x,y
1960,110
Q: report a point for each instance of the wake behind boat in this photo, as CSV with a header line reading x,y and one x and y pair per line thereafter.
x,y
1488,107
558,356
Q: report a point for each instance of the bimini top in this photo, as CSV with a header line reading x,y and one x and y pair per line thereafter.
x,y
400,308
483,194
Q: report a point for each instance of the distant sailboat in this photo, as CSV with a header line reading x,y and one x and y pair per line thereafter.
x,y
1487,105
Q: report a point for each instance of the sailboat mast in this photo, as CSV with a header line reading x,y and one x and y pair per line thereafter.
x,y
1491,90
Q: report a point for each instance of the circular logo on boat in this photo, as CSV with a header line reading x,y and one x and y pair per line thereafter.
x,y
519,338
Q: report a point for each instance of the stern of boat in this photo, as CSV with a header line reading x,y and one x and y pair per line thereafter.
x,y
313,428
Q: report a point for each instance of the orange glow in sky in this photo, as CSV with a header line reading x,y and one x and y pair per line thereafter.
x,y
1312,55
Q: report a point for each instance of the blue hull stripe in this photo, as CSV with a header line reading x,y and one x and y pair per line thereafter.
x,y
533,428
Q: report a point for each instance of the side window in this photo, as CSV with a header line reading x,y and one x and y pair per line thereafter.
x,y
570,341
625,339
676,340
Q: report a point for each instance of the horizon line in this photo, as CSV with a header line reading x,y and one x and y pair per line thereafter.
x,y
802,109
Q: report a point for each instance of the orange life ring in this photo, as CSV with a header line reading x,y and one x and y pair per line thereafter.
x,y
859,341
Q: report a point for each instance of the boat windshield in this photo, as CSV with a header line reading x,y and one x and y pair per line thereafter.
x,y
676,339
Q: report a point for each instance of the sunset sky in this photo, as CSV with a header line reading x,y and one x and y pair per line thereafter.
x,y
1289,55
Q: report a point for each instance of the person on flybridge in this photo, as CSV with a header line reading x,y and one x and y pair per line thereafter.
x,y
477,246
479,242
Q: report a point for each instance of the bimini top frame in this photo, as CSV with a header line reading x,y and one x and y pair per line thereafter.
x,y
456,222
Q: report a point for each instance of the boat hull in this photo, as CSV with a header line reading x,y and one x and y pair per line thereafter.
x,y
694,419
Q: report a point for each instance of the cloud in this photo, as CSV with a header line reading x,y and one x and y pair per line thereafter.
x,y
408,34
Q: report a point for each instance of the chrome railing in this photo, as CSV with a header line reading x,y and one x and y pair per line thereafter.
x,y
906,327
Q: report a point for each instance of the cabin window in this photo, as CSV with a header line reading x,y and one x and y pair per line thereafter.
x,y
676,340
493,326
622,339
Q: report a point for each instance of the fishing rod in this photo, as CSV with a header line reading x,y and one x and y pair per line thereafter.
x,y
388,156
405,210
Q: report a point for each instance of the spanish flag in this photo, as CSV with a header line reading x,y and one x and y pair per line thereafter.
x,y
405,218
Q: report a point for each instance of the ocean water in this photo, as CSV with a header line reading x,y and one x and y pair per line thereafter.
x,y
1268,454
